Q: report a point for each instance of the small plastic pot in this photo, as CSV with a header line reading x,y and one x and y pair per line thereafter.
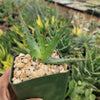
x,y
50,87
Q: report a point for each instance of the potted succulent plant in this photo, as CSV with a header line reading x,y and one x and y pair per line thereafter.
x,y
48,87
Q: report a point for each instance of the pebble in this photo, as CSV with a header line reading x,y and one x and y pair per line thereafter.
x,y
16,81
25,68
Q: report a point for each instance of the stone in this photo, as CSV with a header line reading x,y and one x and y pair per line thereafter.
x,y
17,73
19,65
16,81
25,68
40,72
25,60
21,55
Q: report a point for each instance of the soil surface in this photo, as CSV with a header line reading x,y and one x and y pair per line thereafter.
x,y
25,68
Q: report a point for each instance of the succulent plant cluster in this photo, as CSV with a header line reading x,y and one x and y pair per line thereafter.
x,y
40,30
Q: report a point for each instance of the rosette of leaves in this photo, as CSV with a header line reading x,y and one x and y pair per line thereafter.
x,y
40,49
80,42
89,70
65,46
85,39
44,15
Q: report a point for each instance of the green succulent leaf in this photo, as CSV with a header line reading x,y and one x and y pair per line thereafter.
x,y
92,97
96,74
33,46
46,49
2,52
53,43
41,41
71,87
61,60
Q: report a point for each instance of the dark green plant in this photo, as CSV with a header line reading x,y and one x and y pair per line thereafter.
x,y
65,46
84,39
45,15
80,91
10,44
41,49
89,70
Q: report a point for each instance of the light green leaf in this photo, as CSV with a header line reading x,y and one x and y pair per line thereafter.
x,y
41,42
61,60
71,87
53,43
33,46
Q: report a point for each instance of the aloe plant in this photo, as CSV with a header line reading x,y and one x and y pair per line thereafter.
x,y
89,70
45,16
85,39
65,46
41,49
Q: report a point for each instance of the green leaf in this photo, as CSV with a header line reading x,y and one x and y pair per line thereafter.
x,y
1,32
2,52
92,97
89,79
97,74
69,21
87,92
39,23
71,87
97,61
33,46
61,60
53,43
41,41
19,44
75,96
